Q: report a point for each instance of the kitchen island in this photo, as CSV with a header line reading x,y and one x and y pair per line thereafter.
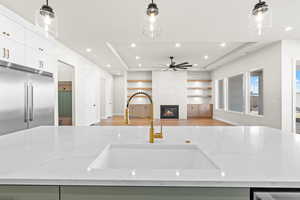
x,y
65,162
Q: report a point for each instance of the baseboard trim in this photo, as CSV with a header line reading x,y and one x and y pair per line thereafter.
x,y
226,121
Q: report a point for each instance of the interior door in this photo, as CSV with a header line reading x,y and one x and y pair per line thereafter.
x,y
103,98
12,100
41,101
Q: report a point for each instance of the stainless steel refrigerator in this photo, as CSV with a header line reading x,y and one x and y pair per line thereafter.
x,y
27,98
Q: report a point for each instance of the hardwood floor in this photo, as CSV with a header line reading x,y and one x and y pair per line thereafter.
x,y
119,121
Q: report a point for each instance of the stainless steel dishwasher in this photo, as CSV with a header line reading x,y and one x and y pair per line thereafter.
x,y
275,194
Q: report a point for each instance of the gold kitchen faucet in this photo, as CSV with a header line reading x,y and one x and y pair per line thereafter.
x,y
152,134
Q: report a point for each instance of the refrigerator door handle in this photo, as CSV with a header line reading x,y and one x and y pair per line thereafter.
x,y
31,104
26,103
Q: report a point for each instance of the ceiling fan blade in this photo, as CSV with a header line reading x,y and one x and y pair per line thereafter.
x,y
184,63
185,66
161,65
182,68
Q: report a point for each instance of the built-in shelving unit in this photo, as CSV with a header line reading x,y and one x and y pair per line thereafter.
x,y
199,91
142,81
140,85
140,106
199,95
203,81
139,89
138,96
199,88
203,96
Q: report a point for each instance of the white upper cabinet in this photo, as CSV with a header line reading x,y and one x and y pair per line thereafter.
x,y
38,50
11,30
37,41
23,46
12,37
12,51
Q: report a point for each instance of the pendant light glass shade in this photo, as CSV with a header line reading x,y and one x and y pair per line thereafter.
x,y
261,17
151,27
46,19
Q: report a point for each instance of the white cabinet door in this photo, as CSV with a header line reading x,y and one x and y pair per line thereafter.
x,y
12,30
37,49
37,41
152,193
31,58
36,59
29,193
12,51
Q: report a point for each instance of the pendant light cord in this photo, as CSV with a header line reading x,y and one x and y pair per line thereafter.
x,y
47,3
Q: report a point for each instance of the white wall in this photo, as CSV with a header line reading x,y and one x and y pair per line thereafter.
x,y
144,75
290,55
268,59
298,100
170,88
199,75
65,72
87,85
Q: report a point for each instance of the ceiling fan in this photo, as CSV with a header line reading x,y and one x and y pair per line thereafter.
x,y
175,67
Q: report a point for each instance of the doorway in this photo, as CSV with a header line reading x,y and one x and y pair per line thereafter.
x,y
65,94
297,99
102,98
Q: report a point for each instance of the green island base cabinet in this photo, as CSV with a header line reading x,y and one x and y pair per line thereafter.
x,y
29,193
120,193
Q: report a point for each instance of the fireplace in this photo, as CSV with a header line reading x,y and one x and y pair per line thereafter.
x,y
169,112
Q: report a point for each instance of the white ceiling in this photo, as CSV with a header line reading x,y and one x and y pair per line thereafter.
x,y
155,54
93,23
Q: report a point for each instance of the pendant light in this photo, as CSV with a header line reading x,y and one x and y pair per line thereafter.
x,y
151,27
261,17
46,18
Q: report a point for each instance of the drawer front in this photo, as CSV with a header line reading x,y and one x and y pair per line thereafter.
x,y
29,193
153,193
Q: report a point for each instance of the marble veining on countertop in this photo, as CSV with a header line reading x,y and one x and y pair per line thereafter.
x,y
246,156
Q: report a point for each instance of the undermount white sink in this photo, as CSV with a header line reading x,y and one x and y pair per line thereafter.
x,y
152,156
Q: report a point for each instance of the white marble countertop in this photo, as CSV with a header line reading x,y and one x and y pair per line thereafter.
x,y
247,157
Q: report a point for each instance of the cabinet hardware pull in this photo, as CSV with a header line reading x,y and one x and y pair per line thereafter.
x,y
8,53
4,53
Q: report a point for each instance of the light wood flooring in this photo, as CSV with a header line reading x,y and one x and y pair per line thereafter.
x,y
119,121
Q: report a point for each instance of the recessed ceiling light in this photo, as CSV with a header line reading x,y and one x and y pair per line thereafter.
x,y
140,65
177,45
137,57
288,28
108,66
88,50
196,65
206,57
223,44
133,45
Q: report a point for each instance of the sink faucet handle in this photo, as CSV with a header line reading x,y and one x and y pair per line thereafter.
x,y
160,134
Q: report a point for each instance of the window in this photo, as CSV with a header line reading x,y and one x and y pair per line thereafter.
x,y
235,93
220,86
256,92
